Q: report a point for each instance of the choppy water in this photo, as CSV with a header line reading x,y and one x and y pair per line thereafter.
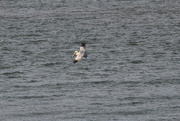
x,y
133,69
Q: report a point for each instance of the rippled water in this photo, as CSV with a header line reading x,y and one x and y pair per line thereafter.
x,y
132,73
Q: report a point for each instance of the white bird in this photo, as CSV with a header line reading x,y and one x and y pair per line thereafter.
x,y
79,55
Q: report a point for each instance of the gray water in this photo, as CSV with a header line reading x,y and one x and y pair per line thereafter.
x,y
132,72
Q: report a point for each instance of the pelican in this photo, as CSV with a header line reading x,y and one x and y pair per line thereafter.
x,y
80,54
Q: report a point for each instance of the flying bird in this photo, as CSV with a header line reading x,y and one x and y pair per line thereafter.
x,y
80,54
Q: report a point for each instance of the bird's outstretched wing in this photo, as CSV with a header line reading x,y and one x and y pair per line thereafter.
x,y
85,55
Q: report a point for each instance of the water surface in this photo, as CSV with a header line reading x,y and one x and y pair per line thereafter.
x,y
132,73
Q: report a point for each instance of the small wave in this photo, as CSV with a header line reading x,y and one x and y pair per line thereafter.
x,y
99,82
163,82
51,64
32,97
2,41
12,73
136,112
36,41
137,61
133,43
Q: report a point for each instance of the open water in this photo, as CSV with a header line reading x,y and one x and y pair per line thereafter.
x,y
132,72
